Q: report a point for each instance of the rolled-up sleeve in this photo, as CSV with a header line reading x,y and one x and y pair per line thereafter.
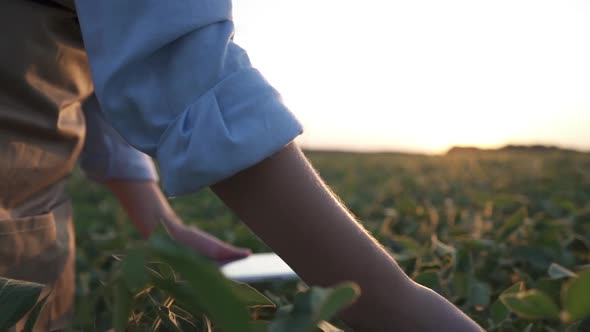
x,y
106,155
172,82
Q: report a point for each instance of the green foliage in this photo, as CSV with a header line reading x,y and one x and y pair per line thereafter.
x,y
313,307
206,286
123,302
16,299
532,304
511,224
576,298
187,292
499,313
34,314
479,294
249,296
477,228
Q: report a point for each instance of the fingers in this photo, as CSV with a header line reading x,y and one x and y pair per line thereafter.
x,y
226,253
206,244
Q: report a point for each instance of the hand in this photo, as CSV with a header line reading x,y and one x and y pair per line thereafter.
x,y
203,242
146,206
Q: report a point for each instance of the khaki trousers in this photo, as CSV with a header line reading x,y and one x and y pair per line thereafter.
x,y
44,77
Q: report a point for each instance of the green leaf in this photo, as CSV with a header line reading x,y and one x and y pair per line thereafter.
x,y
133,269
206,287
460,283
260,325
511,224
16,299
442,248
551,287
328,302
408,243
34,314
514,289
557,271
403,257
163,269
249,296
464,262
123,302
499,312
532,304
471,243
315,305
428,279
479,294
579,326
576,297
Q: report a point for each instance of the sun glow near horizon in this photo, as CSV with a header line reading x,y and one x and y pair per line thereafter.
x,y
425,75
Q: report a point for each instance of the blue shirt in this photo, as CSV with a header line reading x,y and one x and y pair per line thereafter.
x,y
172,82
106,155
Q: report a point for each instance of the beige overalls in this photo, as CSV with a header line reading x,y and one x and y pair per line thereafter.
x,y
44,77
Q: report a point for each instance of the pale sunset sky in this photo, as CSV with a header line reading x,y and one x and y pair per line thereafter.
x,y
424,75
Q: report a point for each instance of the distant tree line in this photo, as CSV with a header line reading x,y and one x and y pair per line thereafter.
x,y
509,148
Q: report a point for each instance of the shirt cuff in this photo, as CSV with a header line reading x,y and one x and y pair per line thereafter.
x,y
236,124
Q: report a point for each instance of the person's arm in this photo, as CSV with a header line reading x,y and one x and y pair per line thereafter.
x,y
131,176
146,206
176,86
288,206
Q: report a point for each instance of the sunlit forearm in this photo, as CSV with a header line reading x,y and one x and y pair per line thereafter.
x,y
286,204
143,202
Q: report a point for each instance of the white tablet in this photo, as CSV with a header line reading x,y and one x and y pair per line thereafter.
x,y
258,268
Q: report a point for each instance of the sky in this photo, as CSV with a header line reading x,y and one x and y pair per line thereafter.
x,y
425,75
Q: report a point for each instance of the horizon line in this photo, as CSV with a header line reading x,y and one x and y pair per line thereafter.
x,y
370,150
